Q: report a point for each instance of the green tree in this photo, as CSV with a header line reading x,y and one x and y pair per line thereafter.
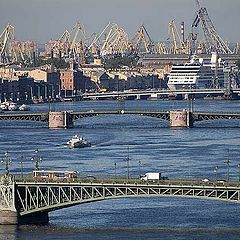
x,y
117,62
58,63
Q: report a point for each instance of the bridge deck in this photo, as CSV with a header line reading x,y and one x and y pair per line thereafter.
x,y
162,115
48,196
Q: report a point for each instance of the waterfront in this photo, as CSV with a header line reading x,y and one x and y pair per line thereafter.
x,y
177,153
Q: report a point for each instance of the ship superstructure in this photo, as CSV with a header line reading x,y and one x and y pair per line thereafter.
x,y
197,74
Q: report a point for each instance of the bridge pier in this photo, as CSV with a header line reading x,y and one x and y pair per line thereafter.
x,y
60,120
8,217
8,211
181,118
13,218
9,214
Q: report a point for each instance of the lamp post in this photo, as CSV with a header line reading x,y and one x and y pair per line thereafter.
x,y
6,161
216,172
128,170
115,169
227,162
36,159
26,96
18,96
239,172
21,163
31,92
11,94
45,92
139,168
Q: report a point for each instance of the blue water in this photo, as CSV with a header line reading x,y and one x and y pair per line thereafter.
x,y
177,153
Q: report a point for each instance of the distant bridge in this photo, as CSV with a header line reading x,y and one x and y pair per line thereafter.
x,y
156,93
66,119
30,202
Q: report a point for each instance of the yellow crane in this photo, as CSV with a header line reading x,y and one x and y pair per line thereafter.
x,y
179,45
142,37
6,41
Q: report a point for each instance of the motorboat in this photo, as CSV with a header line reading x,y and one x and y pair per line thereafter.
x,y
24,107
8,106
4,106
12,106
78,142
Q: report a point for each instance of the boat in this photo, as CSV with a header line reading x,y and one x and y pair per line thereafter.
x,y
4,106
197,74
24,107
12,106
8,106
78,142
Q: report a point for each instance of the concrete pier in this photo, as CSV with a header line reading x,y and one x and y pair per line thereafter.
x,y
181,118
8,218
13,218
60,120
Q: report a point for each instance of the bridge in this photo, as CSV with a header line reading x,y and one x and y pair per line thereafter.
x,y
158,93
29,202
66,119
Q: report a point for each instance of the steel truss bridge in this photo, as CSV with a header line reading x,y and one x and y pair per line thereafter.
x,y
76,115
33,199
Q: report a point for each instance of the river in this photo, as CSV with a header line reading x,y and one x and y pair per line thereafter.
x,y
153,147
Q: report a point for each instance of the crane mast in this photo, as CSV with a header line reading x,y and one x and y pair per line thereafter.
x,y
213,42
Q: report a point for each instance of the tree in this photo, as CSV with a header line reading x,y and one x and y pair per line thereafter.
x,y
58,63
119,61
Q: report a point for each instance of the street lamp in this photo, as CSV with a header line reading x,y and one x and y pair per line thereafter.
x,y
11,94
36,159
6,161
139,168
21,163
26,96
115,169
216,172
128,171
31,92
227,162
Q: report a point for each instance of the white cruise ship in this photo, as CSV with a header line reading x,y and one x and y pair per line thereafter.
x,y
197,74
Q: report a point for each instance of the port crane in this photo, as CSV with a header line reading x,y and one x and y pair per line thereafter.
x,y
7,38
62,45
212,41
116,41
79,43
12,50
179,45
142,41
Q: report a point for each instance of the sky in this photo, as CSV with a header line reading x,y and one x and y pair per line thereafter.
x,y
42,20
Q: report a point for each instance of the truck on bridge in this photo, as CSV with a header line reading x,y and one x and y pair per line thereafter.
x,y
151,176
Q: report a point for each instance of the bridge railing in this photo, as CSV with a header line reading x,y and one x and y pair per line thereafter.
x,y
125,181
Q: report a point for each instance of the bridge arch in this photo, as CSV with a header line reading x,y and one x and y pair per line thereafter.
x,y
34,198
